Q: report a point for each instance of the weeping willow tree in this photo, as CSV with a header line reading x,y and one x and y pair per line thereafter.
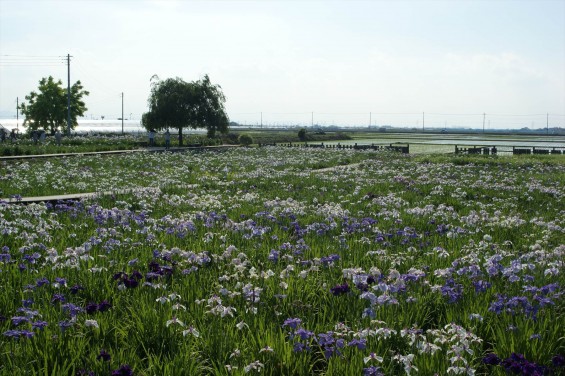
x,y
175,103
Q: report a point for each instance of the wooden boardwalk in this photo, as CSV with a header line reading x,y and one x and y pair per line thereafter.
x,y
71,196
29,200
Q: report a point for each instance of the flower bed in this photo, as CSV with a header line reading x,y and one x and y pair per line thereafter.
x,y
284,261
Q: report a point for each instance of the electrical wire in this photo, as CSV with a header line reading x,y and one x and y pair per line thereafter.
x,y
31,60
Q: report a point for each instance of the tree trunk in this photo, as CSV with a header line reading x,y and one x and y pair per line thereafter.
x,y
180,136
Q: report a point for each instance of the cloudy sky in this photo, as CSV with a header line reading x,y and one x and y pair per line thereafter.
x,y
347,62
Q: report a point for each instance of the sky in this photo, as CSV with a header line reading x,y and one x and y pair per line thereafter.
x,y
493,63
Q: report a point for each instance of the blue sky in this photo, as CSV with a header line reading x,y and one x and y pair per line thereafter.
x,y
341,60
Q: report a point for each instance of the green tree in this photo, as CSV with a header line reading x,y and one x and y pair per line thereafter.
x,y
47,109
302,134
175,103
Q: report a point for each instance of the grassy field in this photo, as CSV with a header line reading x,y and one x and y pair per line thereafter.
x,y
284,261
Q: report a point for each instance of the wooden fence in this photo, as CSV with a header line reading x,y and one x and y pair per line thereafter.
x,y
402,148
515,150
405,148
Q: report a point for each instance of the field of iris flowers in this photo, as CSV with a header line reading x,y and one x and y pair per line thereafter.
x,y
284,262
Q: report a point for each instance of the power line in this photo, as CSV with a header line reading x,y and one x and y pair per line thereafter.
x,y
444,114
109,91
32,56
30,64
522,115
403,119
31,60
390,113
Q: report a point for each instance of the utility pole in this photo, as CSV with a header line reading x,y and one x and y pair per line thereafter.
x,y
547,123
69,94
484,117
369,120
312,118
122,112
423,123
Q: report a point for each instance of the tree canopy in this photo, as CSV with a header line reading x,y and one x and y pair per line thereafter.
x,y
175,103
48,108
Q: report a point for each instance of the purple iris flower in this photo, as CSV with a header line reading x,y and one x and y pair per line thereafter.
x,y
517,363
558,360
91,308
39,325
18,320
65,324
326,339
300,347
104,306
17,334
361,344
273,256
491,359
104,356
41,281
340,289
304,334
124,370
481,286
372,371
292,323
329,260
72,309
83,372
58,298
131,283
76,288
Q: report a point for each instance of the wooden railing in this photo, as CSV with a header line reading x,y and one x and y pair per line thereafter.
x,y
402,148
515,150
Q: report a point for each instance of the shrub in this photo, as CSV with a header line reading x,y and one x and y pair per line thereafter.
x,y
302,134
245,139
232,138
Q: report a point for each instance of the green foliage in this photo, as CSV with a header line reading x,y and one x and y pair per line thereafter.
x,y
245,139
231,138
302,134
70,145
48,109
175,103
282,136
